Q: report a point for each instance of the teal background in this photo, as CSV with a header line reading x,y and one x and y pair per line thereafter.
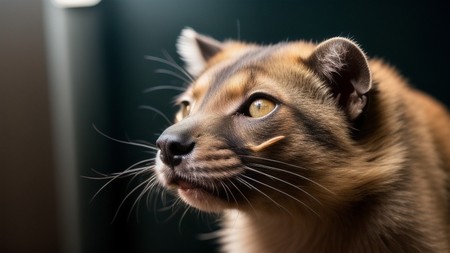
x,y
413,36
64,70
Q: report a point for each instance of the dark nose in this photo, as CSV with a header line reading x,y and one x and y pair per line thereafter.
x,y
174,148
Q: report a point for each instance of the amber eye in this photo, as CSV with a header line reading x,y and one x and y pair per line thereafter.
x,y
261,107
183,112
185,108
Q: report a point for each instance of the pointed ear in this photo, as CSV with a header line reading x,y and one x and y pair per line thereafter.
x,y
196,49
344,66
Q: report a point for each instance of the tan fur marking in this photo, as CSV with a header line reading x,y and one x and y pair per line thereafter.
x,y
235,85
201,86
232,90
266,144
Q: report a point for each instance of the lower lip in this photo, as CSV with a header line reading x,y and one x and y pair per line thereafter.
x,y
183,185
187,188
191,191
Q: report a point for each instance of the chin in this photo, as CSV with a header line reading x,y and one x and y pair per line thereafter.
x,y
203,200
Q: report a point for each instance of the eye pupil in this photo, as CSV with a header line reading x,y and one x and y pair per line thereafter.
x,y
258,105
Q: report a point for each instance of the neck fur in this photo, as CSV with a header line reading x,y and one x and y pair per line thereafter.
x,y
263,232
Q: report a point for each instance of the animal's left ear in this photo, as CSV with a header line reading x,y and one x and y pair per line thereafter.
x,y
196,49
345,68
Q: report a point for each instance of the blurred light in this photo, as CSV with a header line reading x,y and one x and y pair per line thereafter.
x,y
76,3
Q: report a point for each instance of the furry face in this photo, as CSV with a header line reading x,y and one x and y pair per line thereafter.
x,y
260,125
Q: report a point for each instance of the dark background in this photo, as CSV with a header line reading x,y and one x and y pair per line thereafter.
x,y
63,70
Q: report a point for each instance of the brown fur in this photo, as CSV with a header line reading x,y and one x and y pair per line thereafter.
x,y
367,172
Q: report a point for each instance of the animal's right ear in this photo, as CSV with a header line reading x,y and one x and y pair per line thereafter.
x,y
196,49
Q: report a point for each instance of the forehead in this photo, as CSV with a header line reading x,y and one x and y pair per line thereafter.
x,y
220,86
229,80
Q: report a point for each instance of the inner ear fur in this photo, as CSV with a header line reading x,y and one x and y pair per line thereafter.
x,y
344,67
196,49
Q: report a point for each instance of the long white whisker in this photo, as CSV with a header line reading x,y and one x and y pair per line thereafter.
x,y
182,217
231,193
282,192
177,66
124,142
171,73
113,175
172,207
126,197
163,87
258,190
242,194
170,63
146,107
274,161
154,189
145,170
283,181
138,199
263,166
158,191
225,190
130,170
103,176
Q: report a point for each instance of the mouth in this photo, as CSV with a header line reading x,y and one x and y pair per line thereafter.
x,y
197,194
186,186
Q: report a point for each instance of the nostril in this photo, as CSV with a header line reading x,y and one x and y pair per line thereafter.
x,y
173,148
180,149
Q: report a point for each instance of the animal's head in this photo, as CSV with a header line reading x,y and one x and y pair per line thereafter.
x,y
265,127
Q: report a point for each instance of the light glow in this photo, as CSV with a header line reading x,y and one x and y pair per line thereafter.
x,y
76,3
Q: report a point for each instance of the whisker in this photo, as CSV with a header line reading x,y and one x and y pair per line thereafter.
x,y
283,181
144,170
274,161
292,173
126,197
170,207
155,189
182,217
171,63
163,197
124,142
242,194
163,87
150,108
177,66
130,170
172,73
146,189
282,192
158,190
103,176
113,175
258,190
225,190
175,207
242,181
